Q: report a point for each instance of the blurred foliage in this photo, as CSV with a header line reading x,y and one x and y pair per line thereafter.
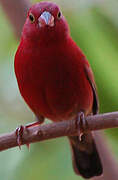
x,y
94,27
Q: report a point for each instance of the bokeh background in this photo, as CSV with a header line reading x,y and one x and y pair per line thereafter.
x,y
94,27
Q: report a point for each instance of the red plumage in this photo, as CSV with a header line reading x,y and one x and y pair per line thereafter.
x,y
48,79
53,75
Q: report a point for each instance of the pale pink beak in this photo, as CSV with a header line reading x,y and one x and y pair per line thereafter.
x,y
46,19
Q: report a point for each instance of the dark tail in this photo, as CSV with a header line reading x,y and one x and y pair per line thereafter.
x,y
86,160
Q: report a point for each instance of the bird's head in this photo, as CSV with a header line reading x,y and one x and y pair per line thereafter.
x,y
45,22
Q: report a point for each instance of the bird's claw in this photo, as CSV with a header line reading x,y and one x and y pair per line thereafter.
x,y
20,130
81,125
19,134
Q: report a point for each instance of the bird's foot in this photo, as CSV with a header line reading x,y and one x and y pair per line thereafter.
x,y
81,125
19,134
20,130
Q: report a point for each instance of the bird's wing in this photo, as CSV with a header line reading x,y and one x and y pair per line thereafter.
x,y
90,77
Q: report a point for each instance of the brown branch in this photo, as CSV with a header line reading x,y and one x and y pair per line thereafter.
x,y
16,11
109,160
63,128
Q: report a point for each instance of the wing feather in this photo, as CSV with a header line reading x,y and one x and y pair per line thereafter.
x,y
90,77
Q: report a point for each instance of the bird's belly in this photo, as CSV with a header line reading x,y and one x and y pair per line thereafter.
x,y
55,89
66,101
57,99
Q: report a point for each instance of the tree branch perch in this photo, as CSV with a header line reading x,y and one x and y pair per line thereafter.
x,y
59,129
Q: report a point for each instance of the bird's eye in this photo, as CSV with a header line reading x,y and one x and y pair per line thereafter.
x,y
31,18
59,15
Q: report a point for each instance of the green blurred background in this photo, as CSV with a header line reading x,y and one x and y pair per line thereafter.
x,y
94,27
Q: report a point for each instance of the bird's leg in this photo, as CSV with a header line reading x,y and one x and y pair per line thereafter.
x,y
81,124
20,130
39,120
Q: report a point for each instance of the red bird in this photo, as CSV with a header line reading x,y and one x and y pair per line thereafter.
x,y
56,80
